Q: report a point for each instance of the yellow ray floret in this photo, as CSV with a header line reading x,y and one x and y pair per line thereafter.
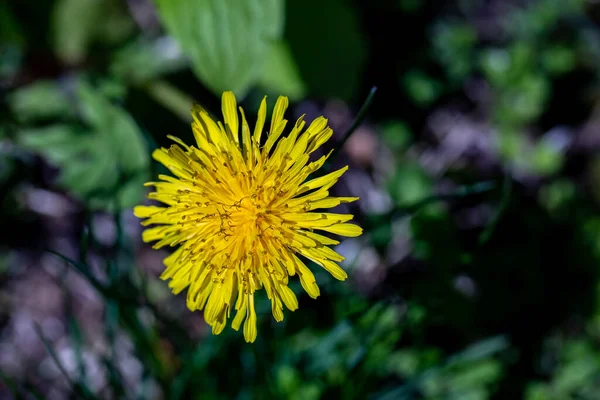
x,y
243,215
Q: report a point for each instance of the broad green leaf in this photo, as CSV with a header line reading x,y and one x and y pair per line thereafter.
x,y
226,42
280,74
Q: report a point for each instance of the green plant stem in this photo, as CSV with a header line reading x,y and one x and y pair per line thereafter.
x,y
171,98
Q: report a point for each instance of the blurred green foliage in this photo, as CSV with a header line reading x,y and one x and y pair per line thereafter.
x,y
79,24
102,154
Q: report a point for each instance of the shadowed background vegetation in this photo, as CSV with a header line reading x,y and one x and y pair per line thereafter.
x,y
476,162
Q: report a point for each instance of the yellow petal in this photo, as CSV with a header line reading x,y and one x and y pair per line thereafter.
x,y
260,120
349,230
241,313
229,109
307,279
324,240
218,326
277,122
277,309
250,323
146,211
335,270
156,233
320,139
323,180
288,297
247,144
316,126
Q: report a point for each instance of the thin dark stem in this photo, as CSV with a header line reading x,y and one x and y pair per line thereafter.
x,y
356,123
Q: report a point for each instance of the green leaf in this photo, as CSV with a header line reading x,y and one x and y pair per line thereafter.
x,y
280,74
227,43
118,130
559,59
476,374
79,23
557,194
546,159
454,46
103,162
397,135
537,391
73,27
39,101
409,184
481,350
422,89
575,374
495,64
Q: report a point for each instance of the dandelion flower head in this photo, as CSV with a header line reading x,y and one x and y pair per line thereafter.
x,y
244,215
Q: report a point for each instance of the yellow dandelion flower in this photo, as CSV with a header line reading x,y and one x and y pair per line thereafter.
x,y
243,214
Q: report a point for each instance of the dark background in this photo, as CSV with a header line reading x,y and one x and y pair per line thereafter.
x,y
477,166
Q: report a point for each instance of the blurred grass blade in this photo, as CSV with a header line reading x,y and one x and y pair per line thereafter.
x,y
86,237
77,337
78,388
111,323
480,350
10,384
82,269
22,390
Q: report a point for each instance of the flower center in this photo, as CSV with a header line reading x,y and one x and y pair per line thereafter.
x,y
248,217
